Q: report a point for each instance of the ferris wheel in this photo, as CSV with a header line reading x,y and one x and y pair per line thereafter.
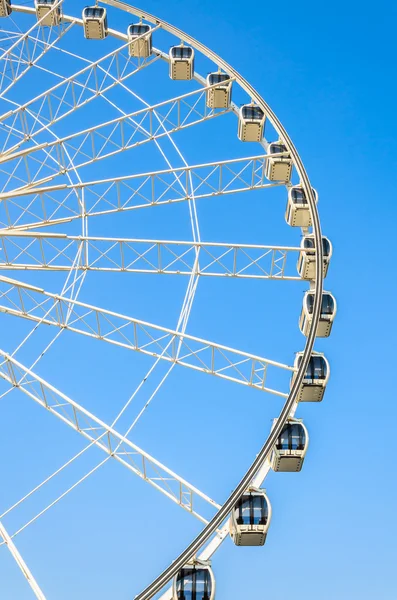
x,y
99,112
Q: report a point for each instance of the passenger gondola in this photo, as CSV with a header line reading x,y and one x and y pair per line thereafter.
x,y
327,315
278,168
250,519
5,8
307,258
195,581
290,448
43,11
219,96
315,380
251,123
95,22
297,213
141,47
181,62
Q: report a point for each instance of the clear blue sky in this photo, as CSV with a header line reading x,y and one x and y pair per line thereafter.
x,y
328,71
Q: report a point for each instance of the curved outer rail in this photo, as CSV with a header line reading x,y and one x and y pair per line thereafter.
x,y
290,404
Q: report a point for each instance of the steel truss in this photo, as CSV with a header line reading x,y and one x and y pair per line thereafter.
x,y
57,252
33,303
103,436
31,207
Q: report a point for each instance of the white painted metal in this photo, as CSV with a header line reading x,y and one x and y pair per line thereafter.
x,y
102,435
141,336
279,166
21,563
20,250
5,8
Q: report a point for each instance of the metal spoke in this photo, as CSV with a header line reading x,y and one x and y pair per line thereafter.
x,y
57,252
32,303
109,138
103,436
54,204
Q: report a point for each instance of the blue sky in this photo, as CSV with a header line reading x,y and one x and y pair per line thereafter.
x,y
328,72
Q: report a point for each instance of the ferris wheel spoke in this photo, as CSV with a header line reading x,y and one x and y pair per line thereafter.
x,y
21,563
57,252
103,436
16,64
110,138
46,205
75,91
33,303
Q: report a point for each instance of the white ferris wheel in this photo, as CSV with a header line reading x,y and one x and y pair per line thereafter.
x,y
115,124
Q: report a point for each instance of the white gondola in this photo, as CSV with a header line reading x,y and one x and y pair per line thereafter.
x,y
278,168
141,47
43,11
297,213
5,8
181,62
315,380
95,22
251,123
307,258
290,448
250,519
327,315
195,581
219,96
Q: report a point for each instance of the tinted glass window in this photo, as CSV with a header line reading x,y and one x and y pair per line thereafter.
x,y
317,368
252,113
193,584
217,78
292,437
181,52
327,305
252,509
94,12
138,29
50,2
276,148
308,243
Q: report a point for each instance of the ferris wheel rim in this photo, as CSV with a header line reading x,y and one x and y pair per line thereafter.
x,y
291,401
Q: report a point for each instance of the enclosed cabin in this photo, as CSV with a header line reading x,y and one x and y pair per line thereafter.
x,y
5,8
49,11
307,258
297,213
219,96
315,379
181,62
140,40
95,22
290,448
195,581
327,315
278,168
251,123
250,519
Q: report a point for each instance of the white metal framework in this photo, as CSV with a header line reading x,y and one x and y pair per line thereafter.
x,y
61,165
